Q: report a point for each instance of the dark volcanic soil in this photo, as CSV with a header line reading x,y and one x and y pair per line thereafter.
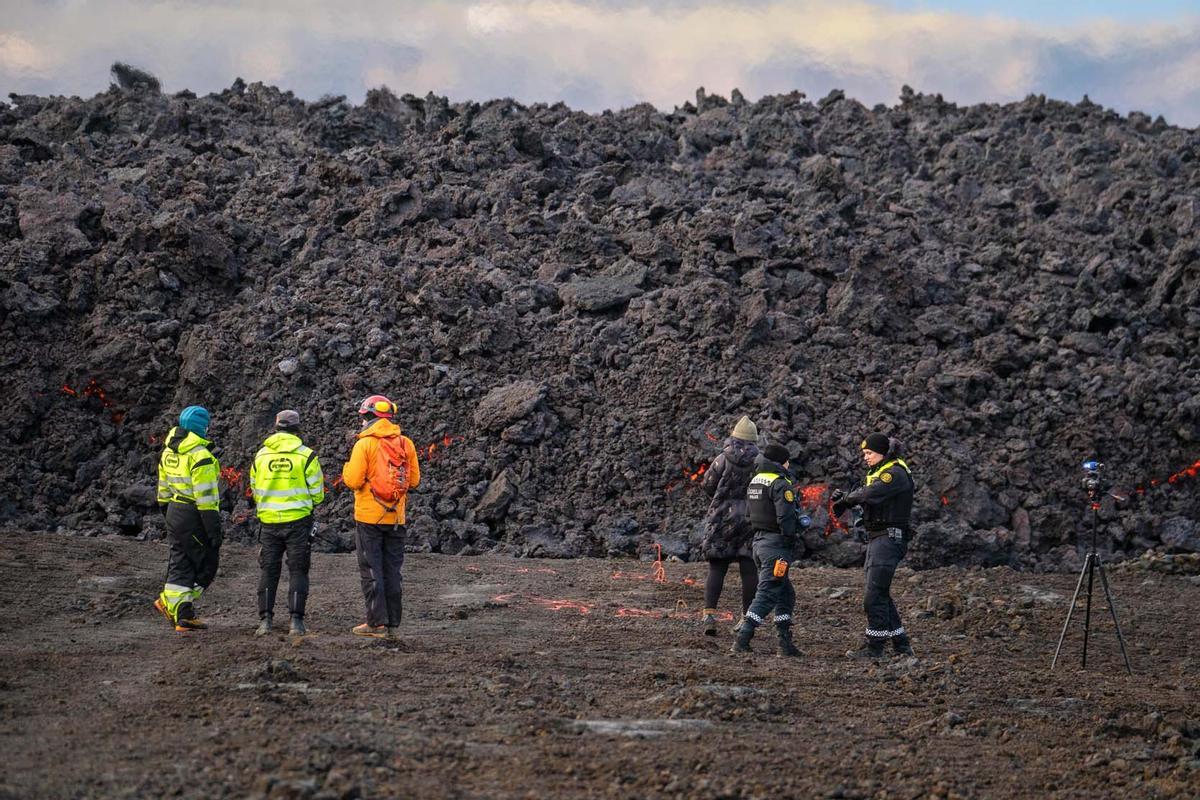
x,y
509,697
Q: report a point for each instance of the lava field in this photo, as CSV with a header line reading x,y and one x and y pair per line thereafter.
x,y
571,310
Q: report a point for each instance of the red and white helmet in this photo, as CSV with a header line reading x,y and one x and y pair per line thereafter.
x,y
378,405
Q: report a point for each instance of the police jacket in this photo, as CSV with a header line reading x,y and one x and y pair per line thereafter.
x,y
771,499
886,497
286,479
187,479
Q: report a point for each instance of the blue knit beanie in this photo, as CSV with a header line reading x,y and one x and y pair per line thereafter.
x,y
194,419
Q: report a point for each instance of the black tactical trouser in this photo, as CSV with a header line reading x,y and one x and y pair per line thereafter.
x,y
715,582
380,550
194,559
883,556
294,538
775,593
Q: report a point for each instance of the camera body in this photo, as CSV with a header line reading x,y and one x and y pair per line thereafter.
x,y
1093,484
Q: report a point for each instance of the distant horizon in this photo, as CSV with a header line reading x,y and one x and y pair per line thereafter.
x,y
170,92
616,54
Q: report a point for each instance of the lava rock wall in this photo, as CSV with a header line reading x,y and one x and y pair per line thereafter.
x,y
571,310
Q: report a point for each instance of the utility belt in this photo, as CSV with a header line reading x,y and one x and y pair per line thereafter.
x,y
787,541
891,533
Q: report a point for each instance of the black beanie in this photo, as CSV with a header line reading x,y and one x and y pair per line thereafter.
x,y
776,452
877,443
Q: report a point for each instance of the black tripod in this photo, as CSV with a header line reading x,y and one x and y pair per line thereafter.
x,y
1091,565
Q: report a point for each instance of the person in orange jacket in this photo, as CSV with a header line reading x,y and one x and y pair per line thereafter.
x,y
382,468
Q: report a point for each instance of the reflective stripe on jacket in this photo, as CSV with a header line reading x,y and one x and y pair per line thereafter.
x,y
286,479
874,474
770,499
188,472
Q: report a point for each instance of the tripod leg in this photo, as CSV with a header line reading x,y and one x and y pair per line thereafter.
x,y
1067,622
1087,614
1113,609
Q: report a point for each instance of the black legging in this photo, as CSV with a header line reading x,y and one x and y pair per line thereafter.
x,y
717,567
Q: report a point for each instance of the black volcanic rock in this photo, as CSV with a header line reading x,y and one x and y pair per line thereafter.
x,y
577,305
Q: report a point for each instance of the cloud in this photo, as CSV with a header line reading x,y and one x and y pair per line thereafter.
x,y
596,55
19,56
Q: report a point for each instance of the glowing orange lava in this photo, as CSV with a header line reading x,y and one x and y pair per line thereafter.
x,y
1174,478
433,449
94,389
236,479
819,495
692,476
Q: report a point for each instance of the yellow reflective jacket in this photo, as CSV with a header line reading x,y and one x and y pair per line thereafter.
x,y
286,479
188,471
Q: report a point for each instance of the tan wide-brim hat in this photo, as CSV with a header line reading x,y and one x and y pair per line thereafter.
x,y
745,430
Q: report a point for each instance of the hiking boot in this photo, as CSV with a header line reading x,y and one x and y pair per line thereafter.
x,y
902,645
162,609
787,647
741,622
264,626
870,649
742,645
374,631
709,623
186,620
297,628
393,632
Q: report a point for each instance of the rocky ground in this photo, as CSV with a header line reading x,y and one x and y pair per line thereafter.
x,y
581,678
571,308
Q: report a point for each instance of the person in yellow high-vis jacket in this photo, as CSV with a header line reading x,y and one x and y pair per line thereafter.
x,y
287,485
187,487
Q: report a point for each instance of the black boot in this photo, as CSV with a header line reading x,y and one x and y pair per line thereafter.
x,y
902,645
264,626
297,628
786,646
186,619
871,648
742,645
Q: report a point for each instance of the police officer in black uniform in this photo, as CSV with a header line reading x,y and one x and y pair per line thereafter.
x,y
773,515
886,499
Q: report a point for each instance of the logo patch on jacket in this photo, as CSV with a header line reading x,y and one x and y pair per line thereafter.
x,y
886,477
279,465
789,496
170,459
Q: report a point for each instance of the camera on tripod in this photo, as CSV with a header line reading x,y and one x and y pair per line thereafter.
x,y
1094,485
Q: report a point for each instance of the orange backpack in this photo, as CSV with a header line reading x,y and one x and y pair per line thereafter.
x,y
388,472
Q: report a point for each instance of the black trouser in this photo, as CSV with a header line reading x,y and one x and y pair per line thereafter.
x,y
775,593
274,539
883,556
380,551
194,559
717,568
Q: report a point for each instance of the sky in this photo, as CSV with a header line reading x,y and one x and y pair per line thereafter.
x,y
1142,56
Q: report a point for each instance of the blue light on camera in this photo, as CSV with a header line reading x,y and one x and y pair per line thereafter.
x,y
1091,466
